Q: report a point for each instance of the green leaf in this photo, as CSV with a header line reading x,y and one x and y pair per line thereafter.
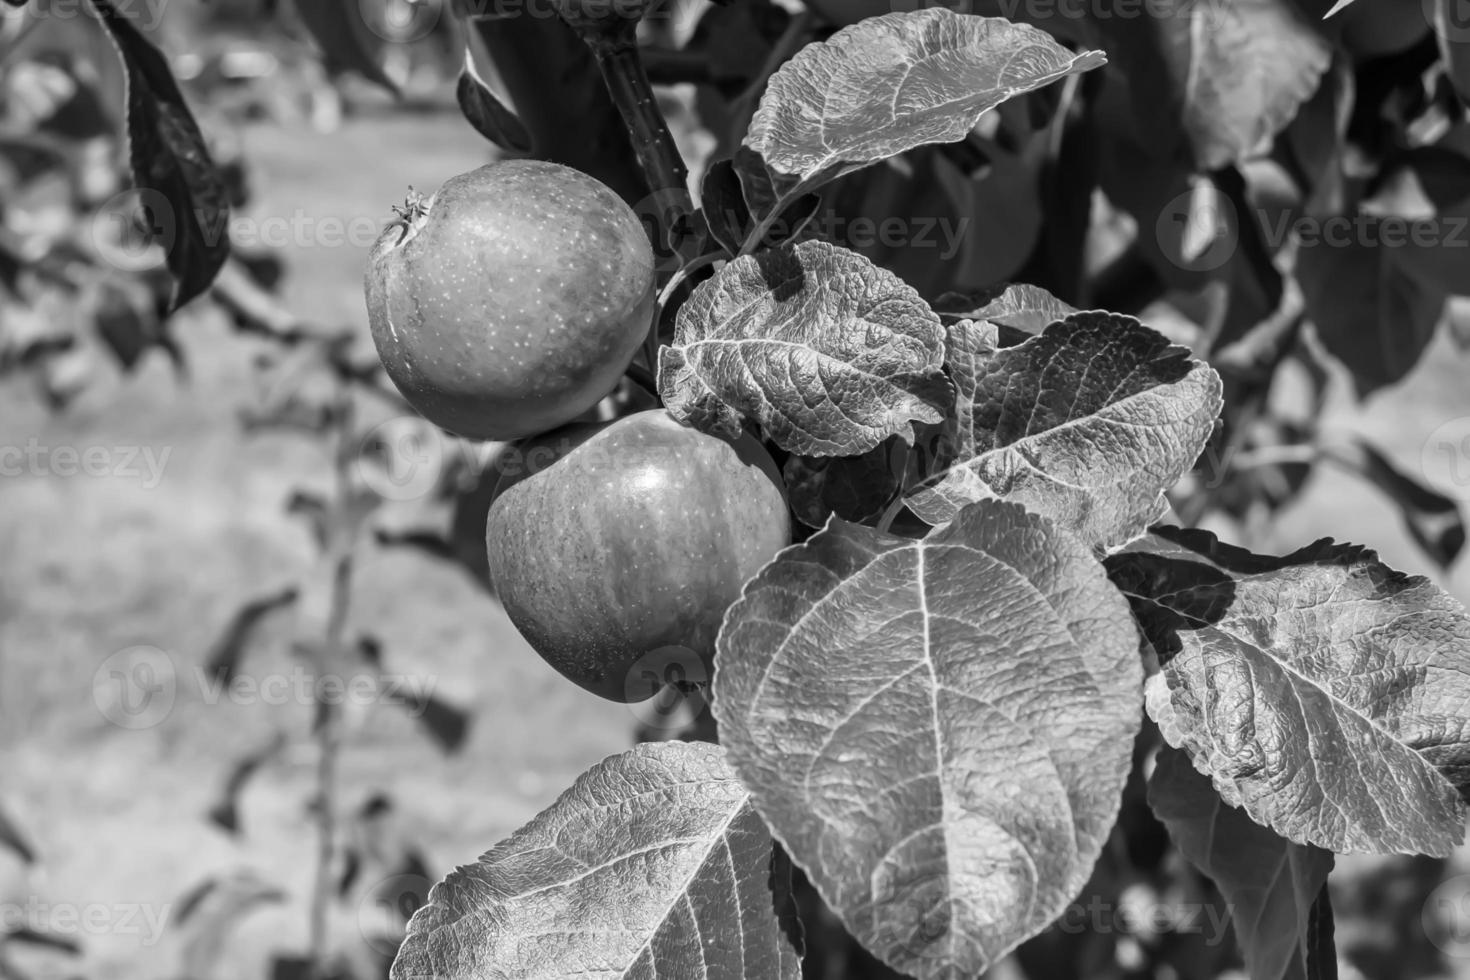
x,y
1087,423
1269,884
895,82
653,864
938,731
1323,692
184,195
826,352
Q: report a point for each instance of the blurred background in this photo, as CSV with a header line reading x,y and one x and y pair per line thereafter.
x,y
178,495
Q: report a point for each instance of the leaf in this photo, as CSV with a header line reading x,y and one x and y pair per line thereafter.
x,y
826,352
1022,307
346,40
1323,692
12,838
1223,79
724,206
491,118
1454,44
225,812
855,488
1432,519
1369,311
446,724
1087,423
937,731
653,864
889,84
224,656
1269,884
184,195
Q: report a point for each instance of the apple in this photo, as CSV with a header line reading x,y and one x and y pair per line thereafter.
x,y
512,300
610,543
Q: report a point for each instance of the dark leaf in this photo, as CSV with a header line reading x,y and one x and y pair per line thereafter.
x,y
11,837
1214,82
1269,884
1370,312
224,656
225,813
723,203
945,770
491,118
1433,520
347,41
855,488
186,200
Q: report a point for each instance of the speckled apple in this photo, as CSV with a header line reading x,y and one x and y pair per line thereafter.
x,y
512,300
608,542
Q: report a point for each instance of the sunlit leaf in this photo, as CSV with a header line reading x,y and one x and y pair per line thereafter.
x,y
653,864
826,352
937,730
1323,692
1088,423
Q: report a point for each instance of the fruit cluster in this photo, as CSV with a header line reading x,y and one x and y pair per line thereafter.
x,y
508,305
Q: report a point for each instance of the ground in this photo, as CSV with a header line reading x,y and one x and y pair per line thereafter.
x,y
96,565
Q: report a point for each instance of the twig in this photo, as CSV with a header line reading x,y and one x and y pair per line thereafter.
x,y
329,716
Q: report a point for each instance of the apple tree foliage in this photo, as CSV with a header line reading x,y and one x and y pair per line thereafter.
x,y
930,708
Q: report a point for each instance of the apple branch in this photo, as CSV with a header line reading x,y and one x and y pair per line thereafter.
x,y
611,33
